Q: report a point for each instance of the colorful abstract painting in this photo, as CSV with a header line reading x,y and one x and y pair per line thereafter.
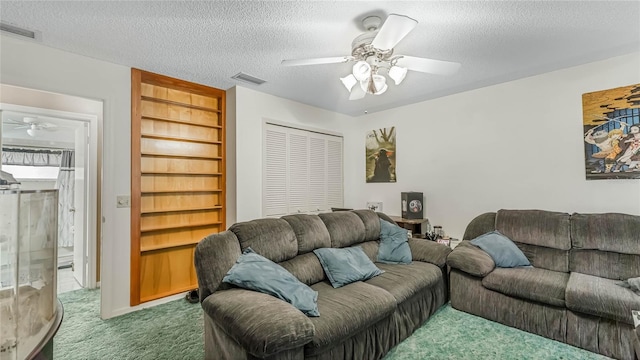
x,y
381,155
611,120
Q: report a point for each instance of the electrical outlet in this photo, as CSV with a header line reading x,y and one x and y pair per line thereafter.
x,y
123,201
374,205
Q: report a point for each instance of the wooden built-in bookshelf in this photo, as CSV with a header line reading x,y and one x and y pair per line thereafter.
x,y
177,180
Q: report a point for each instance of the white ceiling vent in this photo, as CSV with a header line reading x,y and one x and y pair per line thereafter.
x,y
20,32
248,78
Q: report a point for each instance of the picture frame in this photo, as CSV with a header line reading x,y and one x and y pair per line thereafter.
x,y
611,125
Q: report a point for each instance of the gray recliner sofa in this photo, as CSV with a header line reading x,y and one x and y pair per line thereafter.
x,y
362,320
571,293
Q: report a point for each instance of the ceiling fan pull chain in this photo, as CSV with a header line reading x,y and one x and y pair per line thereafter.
x,y
371,89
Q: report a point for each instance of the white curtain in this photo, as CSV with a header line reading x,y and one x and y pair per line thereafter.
x,y
31,157
66,211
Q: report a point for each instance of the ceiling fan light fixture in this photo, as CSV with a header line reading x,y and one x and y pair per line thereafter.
x,y
380,82
349,81
382,91
32,132
361,70
397,74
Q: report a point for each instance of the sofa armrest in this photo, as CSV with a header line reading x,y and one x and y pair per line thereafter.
x,y
262,324
429,251
471,259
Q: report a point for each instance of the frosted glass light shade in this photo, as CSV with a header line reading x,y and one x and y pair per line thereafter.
x,y
379,84
349,81
384,88
398,74
361,70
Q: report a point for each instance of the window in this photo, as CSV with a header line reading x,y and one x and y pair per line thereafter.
x,y
302,171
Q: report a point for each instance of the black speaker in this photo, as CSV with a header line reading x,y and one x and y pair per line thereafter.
x,y
412,205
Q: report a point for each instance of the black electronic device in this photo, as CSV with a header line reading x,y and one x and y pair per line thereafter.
x,y
412,207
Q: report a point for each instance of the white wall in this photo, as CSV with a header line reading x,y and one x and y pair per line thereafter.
x,y
31,65
252,108
515,145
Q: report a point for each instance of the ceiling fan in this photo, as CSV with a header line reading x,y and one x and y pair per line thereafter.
x,y
33,125
372,53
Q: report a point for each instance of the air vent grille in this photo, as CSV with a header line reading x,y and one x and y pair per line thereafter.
x,y
14,30
248,78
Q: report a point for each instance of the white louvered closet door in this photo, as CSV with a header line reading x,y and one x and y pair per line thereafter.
x,y
302,171
335,194
298,172
275,201
318,174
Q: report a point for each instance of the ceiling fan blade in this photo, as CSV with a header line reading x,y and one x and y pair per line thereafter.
x,y
357,93
317,61
394,29
431,66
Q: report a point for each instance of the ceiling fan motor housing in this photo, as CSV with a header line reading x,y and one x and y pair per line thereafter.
x,y
362,50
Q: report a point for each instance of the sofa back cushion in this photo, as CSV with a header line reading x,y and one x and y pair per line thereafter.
x,y
605,264
271,238
310,232
606,232
371,222
306,268
345,228
606,245
479,225
543,236
214,256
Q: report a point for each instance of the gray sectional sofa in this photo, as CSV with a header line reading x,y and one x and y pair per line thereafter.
x,y
362,320
571,292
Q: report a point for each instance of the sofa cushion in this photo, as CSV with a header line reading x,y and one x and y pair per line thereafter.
x,y
344,266
600,297
470,259
310,232
502,250
254,272
371,222
260,323
546,258
346,311
271,238
541,285
479,225
429,251
535,227
610,265
404,281
632,283
305,267
394,245
612,232
345,228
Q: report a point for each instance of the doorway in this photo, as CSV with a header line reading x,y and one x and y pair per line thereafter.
x,y
68,135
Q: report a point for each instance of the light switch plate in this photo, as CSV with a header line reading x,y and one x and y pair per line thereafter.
x,y
123,201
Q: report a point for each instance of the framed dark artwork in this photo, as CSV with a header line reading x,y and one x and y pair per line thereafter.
x,y
611,124
380,149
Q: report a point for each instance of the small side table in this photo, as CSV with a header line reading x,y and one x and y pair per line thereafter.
x,y
415,225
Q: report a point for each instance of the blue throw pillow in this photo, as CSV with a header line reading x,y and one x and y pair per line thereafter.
x,y
344,266
501,249
394,245
255,272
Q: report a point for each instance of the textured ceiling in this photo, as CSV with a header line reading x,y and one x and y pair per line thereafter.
x,y
208,42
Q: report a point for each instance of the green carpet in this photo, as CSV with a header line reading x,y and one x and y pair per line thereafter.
x,y
174,331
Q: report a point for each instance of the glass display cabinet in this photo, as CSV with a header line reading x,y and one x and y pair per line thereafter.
x,y
30,313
